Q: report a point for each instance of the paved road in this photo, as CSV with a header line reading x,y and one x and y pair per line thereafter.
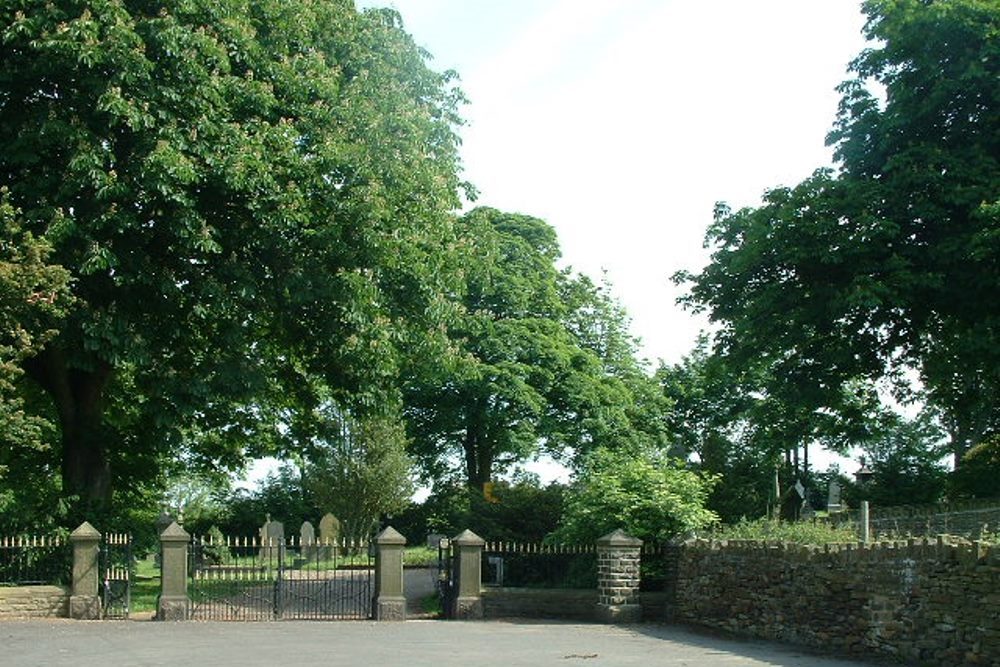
x,y
434,643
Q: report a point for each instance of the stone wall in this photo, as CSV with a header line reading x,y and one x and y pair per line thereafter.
x,y
572,604
34,602
569,604
931,601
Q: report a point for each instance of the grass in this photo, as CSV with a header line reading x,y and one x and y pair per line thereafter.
x,y
798,532
421,556
145,585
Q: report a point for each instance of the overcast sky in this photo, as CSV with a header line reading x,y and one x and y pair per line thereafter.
x,y
622,122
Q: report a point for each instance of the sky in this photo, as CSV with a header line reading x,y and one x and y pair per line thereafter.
x,y
622,122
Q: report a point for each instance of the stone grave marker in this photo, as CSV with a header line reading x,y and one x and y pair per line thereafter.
x,y
307,541
833,497
329,532
272,538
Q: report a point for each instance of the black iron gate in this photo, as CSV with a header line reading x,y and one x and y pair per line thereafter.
x,y
117,570
246,580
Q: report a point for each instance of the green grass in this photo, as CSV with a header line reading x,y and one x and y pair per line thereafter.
x,y
421,556
798,532
145,585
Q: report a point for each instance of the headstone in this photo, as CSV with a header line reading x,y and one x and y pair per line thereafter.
x,y
434,540
791,502
807,510
272,539
833,497
329,532
307,540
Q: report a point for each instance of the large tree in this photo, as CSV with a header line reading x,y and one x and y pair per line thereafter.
x,y
245,192
540,361
892,262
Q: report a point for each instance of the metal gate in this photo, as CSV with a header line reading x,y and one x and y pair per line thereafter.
x,y
247,580
117,570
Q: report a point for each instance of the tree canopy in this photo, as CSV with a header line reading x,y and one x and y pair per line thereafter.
x,y
890,263
243,192
540,361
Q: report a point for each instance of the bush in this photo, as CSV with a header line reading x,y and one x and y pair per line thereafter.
x,y
646,493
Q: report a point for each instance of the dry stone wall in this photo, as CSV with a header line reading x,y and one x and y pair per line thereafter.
x,y
33,602
928,601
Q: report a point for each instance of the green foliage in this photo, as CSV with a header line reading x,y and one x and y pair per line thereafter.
x,y
519,511
798,532
539,358
646,493
890,263
979,474
906,459
246,195
360,472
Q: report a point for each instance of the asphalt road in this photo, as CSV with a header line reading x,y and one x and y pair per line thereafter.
x,y
434,643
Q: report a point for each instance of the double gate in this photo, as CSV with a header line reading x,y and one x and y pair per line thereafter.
x,y
246,580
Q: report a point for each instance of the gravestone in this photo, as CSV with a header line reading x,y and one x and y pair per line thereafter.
x,y
833,497
791,502
434,540
307,541
272,539
329,533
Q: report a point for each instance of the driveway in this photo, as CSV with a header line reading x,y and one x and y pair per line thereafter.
x,y
434,643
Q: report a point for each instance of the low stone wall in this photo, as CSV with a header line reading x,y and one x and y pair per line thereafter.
x,y
34,602
571,604
577,605
930,601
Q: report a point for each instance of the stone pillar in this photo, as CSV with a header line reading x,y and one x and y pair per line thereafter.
x,y
173,602
865,532
389,602
84,602
618,578
467,574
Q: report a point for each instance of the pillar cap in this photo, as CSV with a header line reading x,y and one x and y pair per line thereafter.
x,y
85,532
390,535
467,538
174,533
619,538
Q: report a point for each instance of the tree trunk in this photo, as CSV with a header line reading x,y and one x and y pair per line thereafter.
x,y
78,398
478,453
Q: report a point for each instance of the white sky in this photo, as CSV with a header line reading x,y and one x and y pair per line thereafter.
x,y
622,122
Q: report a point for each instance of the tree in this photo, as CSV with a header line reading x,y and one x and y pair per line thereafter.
x,y
245,193
905,456
537,361
360,471
891,263
34,295
647,493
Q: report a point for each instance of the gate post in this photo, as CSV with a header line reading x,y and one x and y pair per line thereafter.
x,y
618,557
389,602
467,602
83,601
172,604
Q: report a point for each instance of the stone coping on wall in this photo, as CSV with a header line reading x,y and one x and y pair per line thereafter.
x,y
943,547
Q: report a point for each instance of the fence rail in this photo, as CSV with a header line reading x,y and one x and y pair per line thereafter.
x,y
34,559
539,565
